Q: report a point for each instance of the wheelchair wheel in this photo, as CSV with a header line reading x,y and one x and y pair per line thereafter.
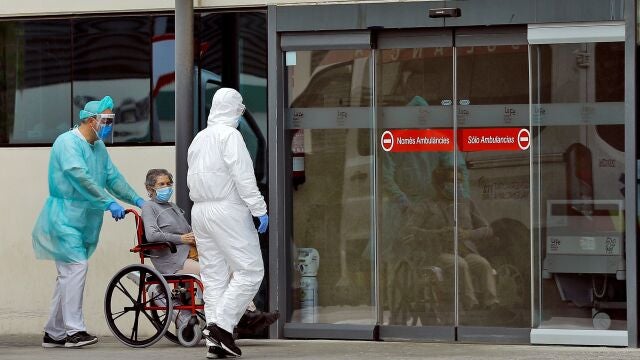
x,y
129,294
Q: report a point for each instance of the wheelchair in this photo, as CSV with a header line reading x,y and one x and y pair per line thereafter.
x,y
141,304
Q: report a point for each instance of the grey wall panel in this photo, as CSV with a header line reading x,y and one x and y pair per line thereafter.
x,y
277,179
496,335
408,39
630,177
357,16
326,40
420,333
494,35
492,12
413,14
321,17
577,10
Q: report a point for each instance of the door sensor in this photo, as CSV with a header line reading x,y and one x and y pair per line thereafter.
x,y
444,12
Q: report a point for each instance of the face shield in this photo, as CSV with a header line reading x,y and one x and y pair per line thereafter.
x,y
106,119
105,126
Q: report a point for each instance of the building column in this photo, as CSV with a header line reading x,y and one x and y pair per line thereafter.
x,y
184,98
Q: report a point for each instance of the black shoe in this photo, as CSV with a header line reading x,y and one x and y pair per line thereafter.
x,y
207,332
49,342
223,338
215,352
80,339
252,322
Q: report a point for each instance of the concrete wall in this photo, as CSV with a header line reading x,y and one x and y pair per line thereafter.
x,y
28,285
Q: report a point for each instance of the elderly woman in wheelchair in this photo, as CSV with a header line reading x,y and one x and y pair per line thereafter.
x,y
172,291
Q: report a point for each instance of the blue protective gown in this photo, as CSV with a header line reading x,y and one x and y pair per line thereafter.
x,y
80,174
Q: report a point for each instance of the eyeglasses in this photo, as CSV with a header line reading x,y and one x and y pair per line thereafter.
x,y
106,119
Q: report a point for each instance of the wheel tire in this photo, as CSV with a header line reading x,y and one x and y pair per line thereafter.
x,y
125,291
189,335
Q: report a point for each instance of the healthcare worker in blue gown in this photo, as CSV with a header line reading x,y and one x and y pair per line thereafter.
x,y
82,185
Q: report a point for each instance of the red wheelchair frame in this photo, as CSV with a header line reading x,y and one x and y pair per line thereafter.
x,y
158,310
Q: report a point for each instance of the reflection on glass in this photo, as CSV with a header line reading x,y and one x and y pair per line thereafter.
x,y
35,81
493,210
579,152
112,57
252,47
212,49
163,92
329,121
415,233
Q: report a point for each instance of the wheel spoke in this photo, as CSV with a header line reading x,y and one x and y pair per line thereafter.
x,y
153,322
134,330
160,315
124,291
155,297
119,314
143,277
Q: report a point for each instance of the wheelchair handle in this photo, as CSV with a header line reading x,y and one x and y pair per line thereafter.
x,y
127,211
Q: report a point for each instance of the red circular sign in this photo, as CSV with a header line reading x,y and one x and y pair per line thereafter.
x,y
387,141
524,139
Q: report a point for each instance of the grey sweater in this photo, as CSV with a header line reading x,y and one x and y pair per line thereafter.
x,y
166,222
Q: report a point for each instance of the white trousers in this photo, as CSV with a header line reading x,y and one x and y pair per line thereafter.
x,y
65,317
230,260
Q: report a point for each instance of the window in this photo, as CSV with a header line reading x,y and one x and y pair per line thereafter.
x,y
112,57
35,81
50,68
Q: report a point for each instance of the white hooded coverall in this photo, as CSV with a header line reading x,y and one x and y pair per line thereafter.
x,y
223,187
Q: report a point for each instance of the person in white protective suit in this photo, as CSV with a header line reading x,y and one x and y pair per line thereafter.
x,y
223,187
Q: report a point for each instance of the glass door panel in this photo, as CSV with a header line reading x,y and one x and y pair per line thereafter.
x,y
415,227
492,172
329,120
578,116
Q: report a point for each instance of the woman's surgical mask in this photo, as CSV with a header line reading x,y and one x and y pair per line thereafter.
x,y
164,194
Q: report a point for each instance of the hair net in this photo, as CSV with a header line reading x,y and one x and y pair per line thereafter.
x,y
96,107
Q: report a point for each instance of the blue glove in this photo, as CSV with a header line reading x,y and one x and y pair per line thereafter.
x,y
139,203
117,211
264,223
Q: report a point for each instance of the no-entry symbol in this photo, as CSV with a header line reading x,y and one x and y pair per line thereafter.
x,y
524,139
387,141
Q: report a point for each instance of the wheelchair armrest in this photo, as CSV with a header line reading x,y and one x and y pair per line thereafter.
x,y
156,246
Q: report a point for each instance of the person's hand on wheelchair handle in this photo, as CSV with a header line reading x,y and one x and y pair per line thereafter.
x,y
117,211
